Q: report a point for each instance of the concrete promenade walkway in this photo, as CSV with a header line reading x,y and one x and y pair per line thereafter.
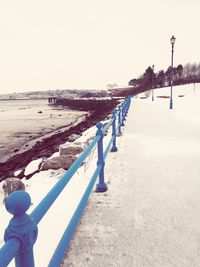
x,y
150,215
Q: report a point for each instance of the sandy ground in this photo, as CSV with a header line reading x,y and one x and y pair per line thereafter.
x,y
24,121
150,215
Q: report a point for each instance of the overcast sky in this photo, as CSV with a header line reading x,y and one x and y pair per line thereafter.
x,y
57,44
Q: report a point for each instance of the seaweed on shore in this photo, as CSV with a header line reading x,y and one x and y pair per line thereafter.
x,y
99,110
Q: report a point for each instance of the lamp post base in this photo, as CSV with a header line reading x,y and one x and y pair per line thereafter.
x,y
152,95
171,104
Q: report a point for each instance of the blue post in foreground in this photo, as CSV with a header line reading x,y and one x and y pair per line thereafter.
x,y
114,147
101,186
21,227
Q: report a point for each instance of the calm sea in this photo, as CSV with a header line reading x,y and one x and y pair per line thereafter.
x,y
7,105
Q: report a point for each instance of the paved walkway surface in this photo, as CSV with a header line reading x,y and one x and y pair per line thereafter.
x,y
150,215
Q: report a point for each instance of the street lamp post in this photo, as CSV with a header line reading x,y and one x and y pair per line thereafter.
x,y
172,40
152,82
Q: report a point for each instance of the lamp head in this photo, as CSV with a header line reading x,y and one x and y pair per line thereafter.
x,y
172,40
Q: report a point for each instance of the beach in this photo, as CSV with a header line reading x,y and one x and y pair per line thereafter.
x,y
31,129
26,122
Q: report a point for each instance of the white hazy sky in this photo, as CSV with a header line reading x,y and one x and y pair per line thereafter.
x,y
57,44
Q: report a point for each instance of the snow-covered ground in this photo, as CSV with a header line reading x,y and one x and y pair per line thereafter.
x,y
184,97
150,214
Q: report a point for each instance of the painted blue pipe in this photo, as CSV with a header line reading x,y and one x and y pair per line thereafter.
x,y
64,242
48,200
101,186
105,129
21,232
114,146
122,113
119,132
8,251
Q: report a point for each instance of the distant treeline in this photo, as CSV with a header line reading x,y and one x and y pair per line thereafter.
x,y
190,73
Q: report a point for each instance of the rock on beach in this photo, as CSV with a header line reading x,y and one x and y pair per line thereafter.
x,y
73,137
69,149
33,167
64,161
10,185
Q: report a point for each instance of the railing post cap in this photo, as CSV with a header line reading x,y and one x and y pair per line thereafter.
x,y
99,125
22,226
18,202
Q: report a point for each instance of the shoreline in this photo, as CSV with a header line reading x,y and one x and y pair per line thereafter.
x,y
28,145
48,144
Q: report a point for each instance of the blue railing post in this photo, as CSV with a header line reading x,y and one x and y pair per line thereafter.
x,y
126,107
21,227
114,147
129,103
124,111
122,114
119,121
101,186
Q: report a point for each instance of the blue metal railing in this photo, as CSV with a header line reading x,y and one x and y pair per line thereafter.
x,y
21,233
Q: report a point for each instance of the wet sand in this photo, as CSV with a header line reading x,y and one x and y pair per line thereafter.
x,y
23,123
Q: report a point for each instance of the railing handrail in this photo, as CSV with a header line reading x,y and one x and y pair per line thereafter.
x,y
51,196
16,239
